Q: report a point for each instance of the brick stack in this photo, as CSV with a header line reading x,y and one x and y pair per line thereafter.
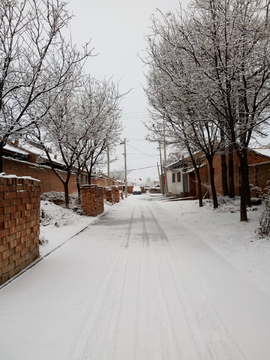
x,y
92,199
19,224
130,189
115,192
108,195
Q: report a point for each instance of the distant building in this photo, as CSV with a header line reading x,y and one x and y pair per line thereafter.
x,y
182,179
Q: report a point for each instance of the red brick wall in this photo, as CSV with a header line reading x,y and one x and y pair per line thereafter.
x,y
111,194
99,181
92,199
259,176
130,189
116,197
49,181
19,224
194,188
253,158
108,194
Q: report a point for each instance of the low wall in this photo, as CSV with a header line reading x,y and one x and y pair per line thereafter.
x,y
19,224
108,194
92,199
49,181
111,194
116,197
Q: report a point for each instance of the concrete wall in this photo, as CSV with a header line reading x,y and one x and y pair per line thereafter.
x,y
19,224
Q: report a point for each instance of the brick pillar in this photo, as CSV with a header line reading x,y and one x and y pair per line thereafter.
x,y
109,195
115,191
19,224
92,199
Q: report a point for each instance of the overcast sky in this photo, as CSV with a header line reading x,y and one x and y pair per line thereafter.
x,y
117,30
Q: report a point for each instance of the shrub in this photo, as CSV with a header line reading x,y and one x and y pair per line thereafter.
x,y
265,217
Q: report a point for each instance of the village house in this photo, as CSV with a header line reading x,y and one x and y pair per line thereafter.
x,y
182,179
29,160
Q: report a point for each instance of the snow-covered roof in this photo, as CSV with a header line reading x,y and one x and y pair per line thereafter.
x,y
262,151
39,152
169,167
15,149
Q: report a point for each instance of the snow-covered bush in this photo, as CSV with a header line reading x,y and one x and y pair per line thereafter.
x,y
58,198
265,217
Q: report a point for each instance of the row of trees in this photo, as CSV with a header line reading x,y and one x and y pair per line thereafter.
x,y
209,82
45,96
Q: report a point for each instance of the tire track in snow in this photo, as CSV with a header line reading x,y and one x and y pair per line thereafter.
x,y
174,337
147,300
209,335
90,334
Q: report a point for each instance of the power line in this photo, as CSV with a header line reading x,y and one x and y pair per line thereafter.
x,y
121,171
144,153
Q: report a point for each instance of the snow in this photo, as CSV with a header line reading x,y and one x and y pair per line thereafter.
x,y
151,278
12,176
15,149
262,151
60,225
221,229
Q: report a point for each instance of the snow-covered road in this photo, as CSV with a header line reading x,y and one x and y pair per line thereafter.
x,y
137,284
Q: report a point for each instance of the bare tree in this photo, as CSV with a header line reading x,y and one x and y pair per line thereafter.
x,y
171,89
78,126
226,44
35,63
100,111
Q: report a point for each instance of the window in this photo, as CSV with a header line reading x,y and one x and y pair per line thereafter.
x,y
173,178
179,177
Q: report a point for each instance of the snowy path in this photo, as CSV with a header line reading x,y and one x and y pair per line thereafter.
x,y
136,285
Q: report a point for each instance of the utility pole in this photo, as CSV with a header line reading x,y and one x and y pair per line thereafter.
x,y
125,154
125,159
108,164
162,182
164,162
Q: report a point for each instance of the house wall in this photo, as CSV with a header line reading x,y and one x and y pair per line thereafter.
x,y
259,176
19,224
177,186
259,167
169,180
204,175
49,181
192,184
99,181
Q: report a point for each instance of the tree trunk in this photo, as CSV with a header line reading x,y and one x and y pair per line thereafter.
x,y
78,187
199,186
1,159
231,172
66,182
245,190
212,182
89,177
224,174
66,194
224,167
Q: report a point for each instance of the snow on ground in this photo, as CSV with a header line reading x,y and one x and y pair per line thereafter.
x,y
152,279
237,241
59,224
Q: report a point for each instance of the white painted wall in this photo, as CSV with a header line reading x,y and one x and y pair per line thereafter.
x,y
175,187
